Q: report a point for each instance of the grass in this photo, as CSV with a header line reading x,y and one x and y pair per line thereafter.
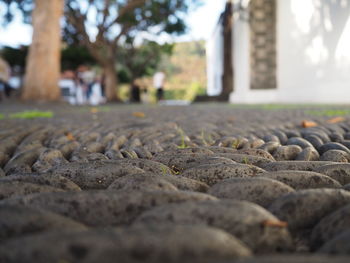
x,y
328,113
182,137
31,114
2,116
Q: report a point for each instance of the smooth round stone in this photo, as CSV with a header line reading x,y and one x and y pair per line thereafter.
x,y
144,243
281,136
346,143
14,188
68,148
3,159
246,159
339,172
289,152
142,182
299,142
48,159
95,147
23,161
331,226
218,149
314,140
340,245
347,136
308,154
195,150
270,147
336,156
212,174
292,133
217,159
271,138
16,221
154,181
181,162
255,143
43,179
303,179
142,153
256,227
333,146
305,208
104,208
336,137
296,165
261,191
257,153
346,187
96,175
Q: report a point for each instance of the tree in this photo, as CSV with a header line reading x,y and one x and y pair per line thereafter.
x,y
114,21
43,62
142,60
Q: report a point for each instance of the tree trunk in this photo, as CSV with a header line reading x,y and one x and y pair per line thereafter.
x,y
111,81
227,78
43,62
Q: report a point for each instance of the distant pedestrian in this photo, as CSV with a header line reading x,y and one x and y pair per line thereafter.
x,y
135,92
158,83
5,71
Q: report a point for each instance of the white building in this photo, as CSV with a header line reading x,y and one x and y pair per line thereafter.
x,y
286,51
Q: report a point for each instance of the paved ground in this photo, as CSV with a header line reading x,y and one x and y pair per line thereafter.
x,y
202,183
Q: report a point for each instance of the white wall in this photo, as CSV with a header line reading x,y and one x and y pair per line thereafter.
x,y
313,54
313,51
214,50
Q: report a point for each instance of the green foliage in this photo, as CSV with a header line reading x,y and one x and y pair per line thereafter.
x,y
142,60
32,114
2,116
15,56
183,144
74,56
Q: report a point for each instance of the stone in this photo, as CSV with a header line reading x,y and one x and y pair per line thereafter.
x,y
105,208
251,224
289,152
336,156
15,188
245,159
305,208
337,171
214,173
97,175
339,245
142,182
56,181
145,243
314,140
270,147
257,152
299,142
330,227
296,165
333,146
258,190
17,221
302,179
308,154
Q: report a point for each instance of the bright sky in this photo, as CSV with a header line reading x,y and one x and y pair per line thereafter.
x,y
201,25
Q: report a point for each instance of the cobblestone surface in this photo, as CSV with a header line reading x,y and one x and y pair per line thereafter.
x,y
202,183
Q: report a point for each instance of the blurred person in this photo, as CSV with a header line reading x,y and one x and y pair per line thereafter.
x,y
5,72
158,83
96,96
144,95
87,76
135,92
68,87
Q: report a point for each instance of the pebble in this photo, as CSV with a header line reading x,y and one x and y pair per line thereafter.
x,y
305,208
149,243
261,191
336,156
337,171
303,179
296,165
251,224
104,208
289,152
333,146
214,173
309,154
